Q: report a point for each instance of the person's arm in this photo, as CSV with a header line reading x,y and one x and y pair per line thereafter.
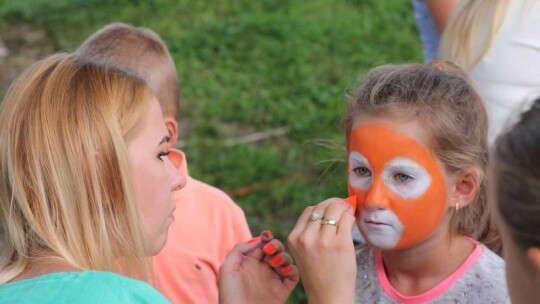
x,y
258,271
321,243
440,11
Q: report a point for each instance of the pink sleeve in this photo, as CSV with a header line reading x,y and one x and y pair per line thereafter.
x,y
207,226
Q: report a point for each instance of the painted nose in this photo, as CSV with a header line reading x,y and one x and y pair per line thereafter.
x,y
376,196
178,180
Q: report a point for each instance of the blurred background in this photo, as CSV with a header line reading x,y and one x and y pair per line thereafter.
x,y
263,83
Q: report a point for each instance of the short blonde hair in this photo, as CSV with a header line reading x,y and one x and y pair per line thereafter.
x,y
142,51
440,97
65,186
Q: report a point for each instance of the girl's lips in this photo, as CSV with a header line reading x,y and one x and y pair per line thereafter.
x,y
376,223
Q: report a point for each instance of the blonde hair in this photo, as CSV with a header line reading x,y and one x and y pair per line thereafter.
x,y
470,31
441,99
142,51
65,184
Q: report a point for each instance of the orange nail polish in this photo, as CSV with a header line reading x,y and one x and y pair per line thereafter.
x,y
276,260
269,248
254,240
286,269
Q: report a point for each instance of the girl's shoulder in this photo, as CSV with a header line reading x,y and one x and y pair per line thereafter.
x,y
485,280
80,287
490,263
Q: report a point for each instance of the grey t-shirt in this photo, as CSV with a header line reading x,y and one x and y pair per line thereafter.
x,y
480,279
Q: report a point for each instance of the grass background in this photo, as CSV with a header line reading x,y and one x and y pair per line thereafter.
x,y
251,66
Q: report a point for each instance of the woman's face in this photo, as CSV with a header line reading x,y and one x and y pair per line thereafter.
x,y
155,177
400,185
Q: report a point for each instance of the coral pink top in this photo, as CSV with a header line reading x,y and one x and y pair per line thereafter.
x,y
206,227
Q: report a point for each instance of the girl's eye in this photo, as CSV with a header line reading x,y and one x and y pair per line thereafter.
x,y
402,177
163,154
362,171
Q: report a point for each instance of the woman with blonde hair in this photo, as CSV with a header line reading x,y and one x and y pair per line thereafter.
x,y
86,191
496,43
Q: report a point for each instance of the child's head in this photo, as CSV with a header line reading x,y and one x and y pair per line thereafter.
x,y
142,51
515,199
417,154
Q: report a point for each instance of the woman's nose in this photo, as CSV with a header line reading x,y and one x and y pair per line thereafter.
x,y
178,180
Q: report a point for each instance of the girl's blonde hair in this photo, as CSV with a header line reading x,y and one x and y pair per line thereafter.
x,y
65,185
442,100
472,26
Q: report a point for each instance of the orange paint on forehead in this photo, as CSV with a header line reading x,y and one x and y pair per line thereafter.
x,y
380,144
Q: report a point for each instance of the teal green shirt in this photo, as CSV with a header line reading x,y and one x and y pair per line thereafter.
x,y
80,287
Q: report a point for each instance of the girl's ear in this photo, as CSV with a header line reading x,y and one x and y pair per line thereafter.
x,y
533,254
467,184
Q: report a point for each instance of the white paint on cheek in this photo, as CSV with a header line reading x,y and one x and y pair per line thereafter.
x,y
381,227
411,189
356,159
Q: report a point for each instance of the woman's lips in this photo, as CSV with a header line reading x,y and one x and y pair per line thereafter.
x,y
171,215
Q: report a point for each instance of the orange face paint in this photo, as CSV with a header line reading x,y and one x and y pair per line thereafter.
x,y
351,200
400,189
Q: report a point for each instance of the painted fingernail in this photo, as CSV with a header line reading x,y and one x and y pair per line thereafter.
x,y
267,234
269,248
254,240
276,260
286,269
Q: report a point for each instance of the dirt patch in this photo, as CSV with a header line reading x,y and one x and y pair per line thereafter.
x,y
20,46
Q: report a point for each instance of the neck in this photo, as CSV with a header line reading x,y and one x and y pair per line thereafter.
x,y
45,266
416,270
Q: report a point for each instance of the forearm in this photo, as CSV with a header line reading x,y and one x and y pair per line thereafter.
x,y
440,11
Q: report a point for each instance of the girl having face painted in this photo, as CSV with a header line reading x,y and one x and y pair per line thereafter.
x,y
417,153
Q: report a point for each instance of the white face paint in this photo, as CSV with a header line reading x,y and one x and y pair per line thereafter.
x,y
381,227
360,175
406,178
402,176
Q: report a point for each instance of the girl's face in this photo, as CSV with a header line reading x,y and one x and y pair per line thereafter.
x,y
155,177
400,185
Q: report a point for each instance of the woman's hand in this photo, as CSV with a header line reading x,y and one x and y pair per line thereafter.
x,y
258,271
321,243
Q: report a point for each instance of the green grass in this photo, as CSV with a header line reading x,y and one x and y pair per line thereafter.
x,y
248,66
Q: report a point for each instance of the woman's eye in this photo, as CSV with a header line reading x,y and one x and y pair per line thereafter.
x,y
402,177
362,171
163,154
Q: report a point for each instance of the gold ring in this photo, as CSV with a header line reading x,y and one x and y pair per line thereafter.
x,y
329,222
315,217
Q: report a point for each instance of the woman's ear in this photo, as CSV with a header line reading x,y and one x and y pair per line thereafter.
x,y
533,253
172,127
467,184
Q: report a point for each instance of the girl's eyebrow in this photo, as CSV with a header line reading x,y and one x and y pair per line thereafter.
x,y
405,165
164,140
